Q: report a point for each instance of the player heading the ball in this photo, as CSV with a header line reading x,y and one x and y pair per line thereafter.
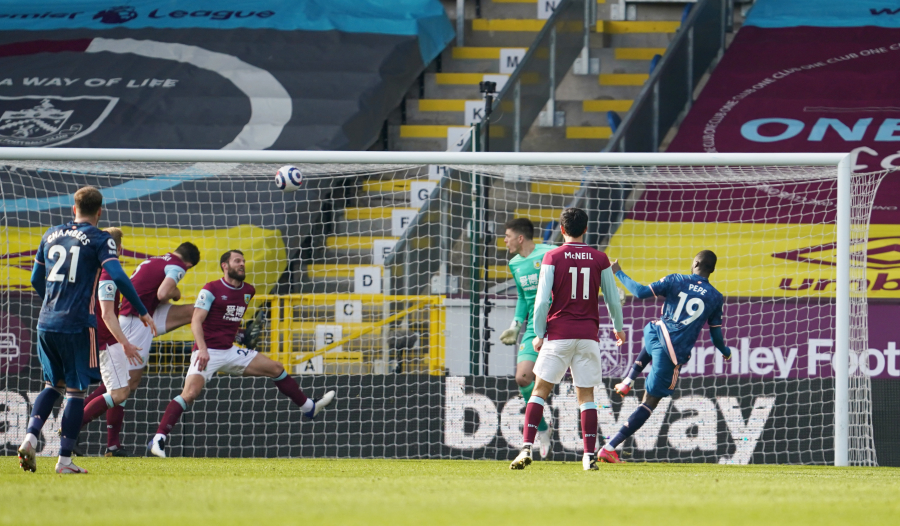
x,y
66,270
156,281
218,312
571,276
690,302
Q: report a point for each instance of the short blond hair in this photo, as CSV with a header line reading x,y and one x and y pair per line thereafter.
x,y
116,234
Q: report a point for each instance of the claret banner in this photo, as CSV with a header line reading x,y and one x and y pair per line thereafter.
x,y
808,76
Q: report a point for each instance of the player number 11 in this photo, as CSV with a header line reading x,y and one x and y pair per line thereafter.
x,y
586,271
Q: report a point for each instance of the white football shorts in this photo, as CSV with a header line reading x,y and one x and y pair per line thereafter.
x,y
114,367
583,356
232,361
142,336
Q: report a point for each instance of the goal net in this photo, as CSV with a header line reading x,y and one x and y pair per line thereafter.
x,y
390,284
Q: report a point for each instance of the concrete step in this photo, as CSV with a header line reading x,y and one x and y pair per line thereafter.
x,y
565,139
587,87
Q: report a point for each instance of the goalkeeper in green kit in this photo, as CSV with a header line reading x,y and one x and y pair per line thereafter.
x,y
525,268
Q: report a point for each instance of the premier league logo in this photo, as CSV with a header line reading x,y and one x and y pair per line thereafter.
x,y
614,359
116,15
35,120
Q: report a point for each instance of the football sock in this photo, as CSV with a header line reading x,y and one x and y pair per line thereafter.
x,y
43,406
533,413
115,417
71,423
642,361
635,421
589,426
291,389
99,391
96,407
526,395
171,416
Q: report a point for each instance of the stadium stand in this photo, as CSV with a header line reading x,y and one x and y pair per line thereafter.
x,y
281,77
497,35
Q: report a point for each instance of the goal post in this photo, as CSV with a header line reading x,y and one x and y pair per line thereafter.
x,y
405,304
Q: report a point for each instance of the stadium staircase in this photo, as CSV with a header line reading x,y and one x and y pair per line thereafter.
x,y
363,216
625,48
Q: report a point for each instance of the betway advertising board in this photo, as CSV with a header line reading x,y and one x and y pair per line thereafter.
x,y
405,416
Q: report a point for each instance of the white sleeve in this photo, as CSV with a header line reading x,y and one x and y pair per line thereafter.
x,y
611,297
175,272
542,300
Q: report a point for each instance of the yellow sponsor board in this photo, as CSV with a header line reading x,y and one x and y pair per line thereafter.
x,y
756,259
263,249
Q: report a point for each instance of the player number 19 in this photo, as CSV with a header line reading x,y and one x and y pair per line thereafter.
x,y
694,308
586,272
58,253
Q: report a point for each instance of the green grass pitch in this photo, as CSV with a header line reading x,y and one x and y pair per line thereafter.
x,y
264,492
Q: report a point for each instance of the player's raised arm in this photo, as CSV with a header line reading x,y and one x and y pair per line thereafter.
x,y
635,288
542,300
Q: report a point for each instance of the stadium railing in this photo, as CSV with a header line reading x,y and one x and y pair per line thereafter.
x,y
668,94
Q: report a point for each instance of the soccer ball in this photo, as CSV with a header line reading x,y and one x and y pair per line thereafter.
x,y
288,178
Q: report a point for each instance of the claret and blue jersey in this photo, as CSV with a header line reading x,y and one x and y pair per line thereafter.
x,y
690,303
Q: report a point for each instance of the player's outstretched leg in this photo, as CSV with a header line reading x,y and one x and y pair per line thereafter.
x,y
635,421
534,411
589,435
71,426
263,366
289,387
43,406
641,363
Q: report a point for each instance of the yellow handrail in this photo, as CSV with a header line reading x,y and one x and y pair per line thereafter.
x,y
367,330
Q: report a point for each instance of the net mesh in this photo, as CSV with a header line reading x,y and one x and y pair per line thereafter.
x,y
390,284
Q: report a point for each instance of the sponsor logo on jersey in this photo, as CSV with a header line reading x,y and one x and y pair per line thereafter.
x,y
46,120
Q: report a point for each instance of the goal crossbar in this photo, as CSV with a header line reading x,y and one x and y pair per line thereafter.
x,y
441,158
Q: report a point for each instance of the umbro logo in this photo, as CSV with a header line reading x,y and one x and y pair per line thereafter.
x,y
224,298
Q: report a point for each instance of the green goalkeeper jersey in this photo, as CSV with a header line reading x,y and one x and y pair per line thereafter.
x,y
526,272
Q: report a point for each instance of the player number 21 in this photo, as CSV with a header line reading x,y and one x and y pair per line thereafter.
x,y
586,272
694,308
58,253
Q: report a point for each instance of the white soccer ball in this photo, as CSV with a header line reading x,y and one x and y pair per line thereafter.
x,y
288,178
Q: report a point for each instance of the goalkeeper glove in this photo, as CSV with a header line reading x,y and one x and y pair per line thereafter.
x,y
510,335
727,356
